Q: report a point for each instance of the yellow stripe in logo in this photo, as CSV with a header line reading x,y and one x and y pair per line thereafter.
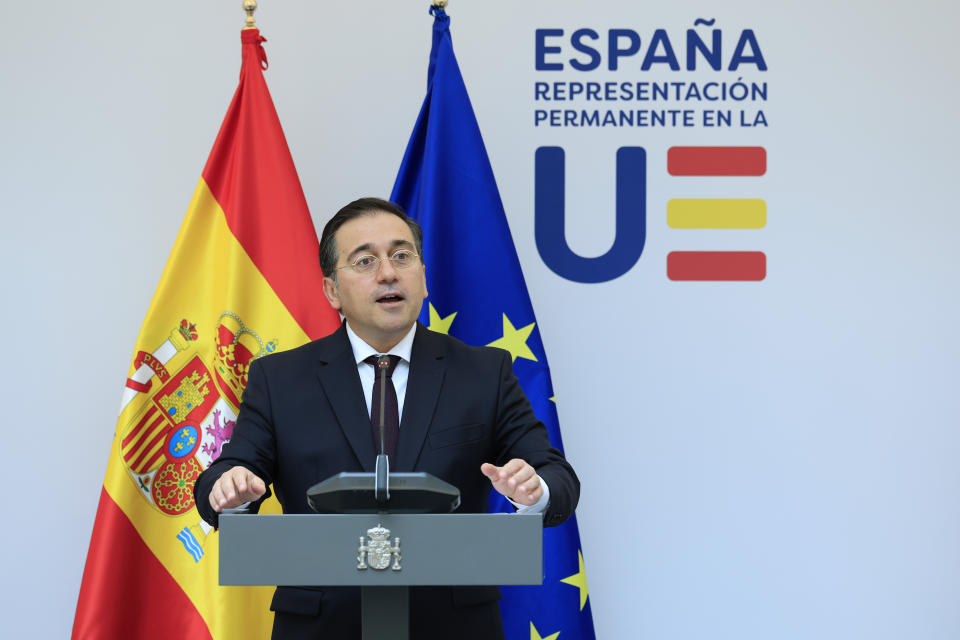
x,y
717,213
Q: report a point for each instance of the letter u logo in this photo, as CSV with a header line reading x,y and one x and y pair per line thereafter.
x,y
631,217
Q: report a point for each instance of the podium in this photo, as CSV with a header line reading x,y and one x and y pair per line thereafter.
x,y
354,550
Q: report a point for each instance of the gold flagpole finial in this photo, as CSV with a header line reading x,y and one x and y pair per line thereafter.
x,y
440,4
250,6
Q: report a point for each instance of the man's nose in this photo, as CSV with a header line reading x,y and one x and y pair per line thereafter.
x,y
386,272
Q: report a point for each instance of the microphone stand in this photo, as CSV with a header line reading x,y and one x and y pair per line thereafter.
x,y
381,487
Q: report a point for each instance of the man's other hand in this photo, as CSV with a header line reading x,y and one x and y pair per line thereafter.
x,y
516,480
236,486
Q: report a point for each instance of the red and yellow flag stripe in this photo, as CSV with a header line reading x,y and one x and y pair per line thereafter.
x,y
242,280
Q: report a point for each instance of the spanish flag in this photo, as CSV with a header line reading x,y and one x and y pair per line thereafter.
x,y
243,280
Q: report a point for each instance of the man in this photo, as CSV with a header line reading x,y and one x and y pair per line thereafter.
x,y
462,417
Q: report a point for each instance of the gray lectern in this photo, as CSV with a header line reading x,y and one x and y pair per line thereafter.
x,y
384,554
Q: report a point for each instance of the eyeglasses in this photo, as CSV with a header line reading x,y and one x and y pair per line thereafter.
x,y
401,259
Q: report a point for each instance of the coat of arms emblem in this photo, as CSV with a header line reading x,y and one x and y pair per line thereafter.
x,y
377,553
181,404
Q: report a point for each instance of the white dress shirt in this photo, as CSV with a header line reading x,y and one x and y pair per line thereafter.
x,y
361,351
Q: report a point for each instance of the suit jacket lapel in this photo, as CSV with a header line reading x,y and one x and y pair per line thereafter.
x,y
423,388
337,372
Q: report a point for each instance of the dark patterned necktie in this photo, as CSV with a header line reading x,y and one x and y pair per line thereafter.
x,y
384,395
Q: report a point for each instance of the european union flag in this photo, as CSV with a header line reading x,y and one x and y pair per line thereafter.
x,y
477,294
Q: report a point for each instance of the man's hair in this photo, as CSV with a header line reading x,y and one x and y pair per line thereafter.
x,y
362,207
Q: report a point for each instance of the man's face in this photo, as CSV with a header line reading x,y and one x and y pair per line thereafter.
x,y
380,306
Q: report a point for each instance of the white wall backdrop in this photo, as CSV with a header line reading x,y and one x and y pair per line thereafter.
x,y
780,461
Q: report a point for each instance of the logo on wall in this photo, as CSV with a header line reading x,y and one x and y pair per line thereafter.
x,y
652,104
186,415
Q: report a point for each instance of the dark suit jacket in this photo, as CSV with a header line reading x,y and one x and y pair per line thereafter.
x,y
304,418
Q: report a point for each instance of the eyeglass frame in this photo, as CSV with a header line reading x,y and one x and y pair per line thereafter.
x,y
377,261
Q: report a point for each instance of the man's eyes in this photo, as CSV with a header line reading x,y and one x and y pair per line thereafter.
x,y
402,257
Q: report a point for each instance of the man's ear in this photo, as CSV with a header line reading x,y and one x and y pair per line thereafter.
x,y
332,293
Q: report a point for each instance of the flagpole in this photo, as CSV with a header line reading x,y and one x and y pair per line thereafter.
x,y
251,5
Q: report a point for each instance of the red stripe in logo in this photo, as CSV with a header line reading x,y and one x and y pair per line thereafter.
x,y
717,161
717,265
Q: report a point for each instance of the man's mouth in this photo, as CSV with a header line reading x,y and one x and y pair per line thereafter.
x,y
390,298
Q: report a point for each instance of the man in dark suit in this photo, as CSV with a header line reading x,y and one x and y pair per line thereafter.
x,y
306,412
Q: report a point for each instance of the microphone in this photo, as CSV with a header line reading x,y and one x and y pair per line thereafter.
x,y
381,486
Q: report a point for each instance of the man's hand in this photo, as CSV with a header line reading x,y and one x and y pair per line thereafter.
x,y
516,480
236,486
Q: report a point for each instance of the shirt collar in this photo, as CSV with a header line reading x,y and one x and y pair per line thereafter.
x,y
362,350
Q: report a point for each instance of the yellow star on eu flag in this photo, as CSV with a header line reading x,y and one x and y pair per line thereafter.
x,y
579,580
515,340
438,324
535,635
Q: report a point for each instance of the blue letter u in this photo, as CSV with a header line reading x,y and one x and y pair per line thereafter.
x,y
631,217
